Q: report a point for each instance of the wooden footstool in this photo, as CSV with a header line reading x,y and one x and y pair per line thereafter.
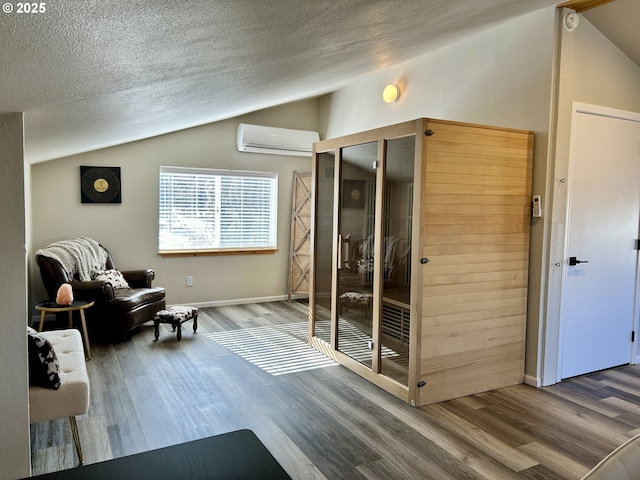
x,y
176,316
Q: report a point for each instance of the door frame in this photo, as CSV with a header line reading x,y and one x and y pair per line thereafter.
x,y
579,108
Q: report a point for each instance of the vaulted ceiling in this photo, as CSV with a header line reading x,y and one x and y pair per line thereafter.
x,y
95,73
618,21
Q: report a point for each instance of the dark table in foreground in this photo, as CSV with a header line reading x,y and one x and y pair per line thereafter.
x,y
235,455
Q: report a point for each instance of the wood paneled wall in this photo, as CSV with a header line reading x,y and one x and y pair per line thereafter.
x,y
476,210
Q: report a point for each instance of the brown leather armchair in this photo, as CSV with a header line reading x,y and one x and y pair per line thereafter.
x,y
117,311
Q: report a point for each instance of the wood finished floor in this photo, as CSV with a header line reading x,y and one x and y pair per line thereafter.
x,y
328,423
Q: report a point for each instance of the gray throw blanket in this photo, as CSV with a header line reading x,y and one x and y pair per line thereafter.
x,y
77,255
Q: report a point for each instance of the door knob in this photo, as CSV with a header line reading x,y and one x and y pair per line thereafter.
x,y
575,261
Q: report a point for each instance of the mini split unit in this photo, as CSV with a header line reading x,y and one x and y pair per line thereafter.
x,y
275,141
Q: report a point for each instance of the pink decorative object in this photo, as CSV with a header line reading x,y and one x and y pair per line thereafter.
x,y
64,295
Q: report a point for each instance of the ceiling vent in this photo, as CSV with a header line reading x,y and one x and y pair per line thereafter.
x,y
275,141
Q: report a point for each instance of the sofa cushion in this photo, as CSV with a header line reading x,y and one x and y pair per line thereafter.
x,y
114,277
44,368
72,398
127,299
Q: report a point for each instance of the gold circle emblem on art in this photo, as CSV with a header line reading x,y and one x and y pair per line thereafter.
x,y
101,185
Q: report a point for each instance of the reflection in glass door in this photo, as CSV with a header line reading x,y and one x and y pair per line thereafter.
x,y
362,303
355,252
324,239
396,284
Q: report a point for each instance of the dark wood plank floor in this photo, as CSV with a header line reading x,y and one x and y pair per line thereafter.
x,y
328,422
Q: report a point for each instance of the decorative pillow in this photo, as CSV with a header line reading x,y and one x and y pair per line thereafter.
x,y
44,368
114,277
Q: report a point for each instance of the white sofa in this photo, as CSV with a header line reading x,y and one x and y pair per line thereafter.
x,y
72,398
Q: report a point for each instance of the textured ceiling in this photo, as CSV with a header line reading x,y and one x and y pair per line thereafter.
x,y
94,73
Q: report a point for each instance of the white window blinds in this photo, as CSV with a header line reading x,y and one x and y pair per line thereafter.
x,y
206,209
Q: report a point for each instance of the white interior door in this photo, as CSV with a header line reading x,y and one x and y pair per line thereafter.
x,y
602,229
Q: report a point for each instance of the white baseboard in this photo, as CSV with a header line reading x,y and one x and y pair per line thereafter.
x,y
35,318
241,301
533,381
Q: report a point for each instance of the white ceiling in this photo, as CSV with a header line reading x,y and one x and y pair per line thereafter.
x,y
95,73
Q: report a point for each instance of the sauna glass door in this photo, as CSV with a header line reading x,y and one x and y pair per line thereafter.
x,y
324,245
362,276
395,286
355,252
375,293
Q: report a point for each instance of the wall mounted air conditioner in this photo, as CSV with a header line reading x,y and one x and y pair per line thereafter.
x,y
275,141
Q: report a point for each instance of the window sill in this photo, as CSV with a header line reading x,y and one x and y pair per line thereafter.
x,y
204,253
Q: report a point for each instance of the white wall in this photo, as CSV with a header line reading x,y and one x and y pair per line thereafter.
x,y
591,70
130,229
14,378
501,76
602,74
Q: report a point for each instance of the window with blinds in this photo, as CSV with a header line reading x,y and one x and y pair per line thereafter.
x,y
207,210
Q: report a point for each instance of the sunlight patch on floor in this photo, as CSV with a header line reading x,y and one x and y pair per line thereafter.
x,y
273,350
283,349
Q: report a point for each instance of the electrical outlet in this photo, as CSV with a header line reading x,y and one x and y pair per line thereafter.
x,y
189,281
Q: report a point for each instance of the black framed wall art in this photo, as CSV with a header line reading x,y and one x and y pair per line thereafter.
x,y
100,185
353,193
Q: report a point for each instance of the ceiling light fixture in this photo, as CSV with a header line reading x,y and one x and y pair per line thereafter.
x,y
391,94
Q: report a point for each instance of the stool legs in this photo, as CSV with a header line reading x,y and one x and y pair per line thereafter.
x,y
176,316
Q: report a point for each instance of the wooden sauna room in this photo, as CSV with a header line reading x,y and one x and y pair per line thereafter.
x,y
419,256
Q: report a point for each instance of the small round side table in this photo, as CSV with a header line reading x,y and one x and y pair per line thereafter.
x,y
79,305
